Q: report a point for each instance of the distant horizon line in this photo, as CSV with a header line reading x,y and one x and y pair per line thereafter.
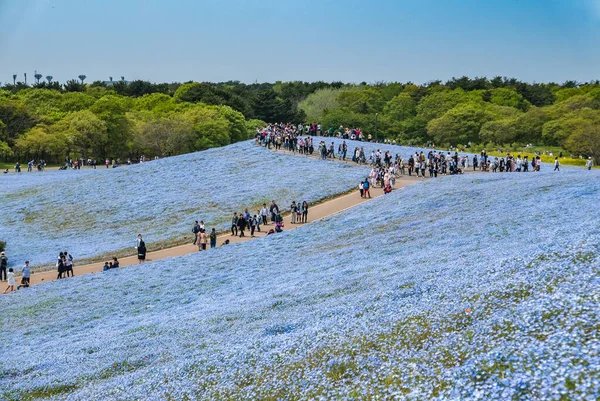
x,y
256,82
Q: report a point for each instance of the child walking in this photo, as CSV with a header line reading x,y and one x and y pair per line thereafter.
x,y
11,281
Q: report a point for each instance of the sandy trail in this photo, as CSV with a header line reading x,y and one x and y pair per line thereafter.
x,y
315,213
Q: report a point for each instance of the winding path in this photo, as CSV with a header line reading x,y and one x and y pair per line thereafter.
x,y
316,212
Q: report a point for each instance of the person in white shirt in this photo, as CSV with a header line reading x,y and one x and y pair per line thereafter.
x,y
589,163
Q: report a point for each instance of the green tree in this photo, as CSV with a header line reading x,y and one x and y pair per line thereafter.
x,y
112,110
529,125
401,107
438,103
459,125
87,131
317,103
508,97
499,131
164,135
16,118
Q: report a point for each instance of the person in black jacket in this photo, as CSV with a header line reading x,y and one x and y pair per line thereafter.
x,y
141,249
3,265
241,225
60,265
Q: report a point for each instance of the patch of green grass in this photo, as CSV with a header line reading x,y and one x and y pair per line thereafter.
x,y
41,393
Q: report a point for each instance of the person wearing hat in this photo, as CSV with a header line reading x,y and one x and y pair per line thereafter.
x,y
3,265
589,163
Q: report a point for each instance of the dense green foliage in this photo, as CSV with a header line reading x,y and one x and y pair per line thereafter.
x,y
497,113
51,121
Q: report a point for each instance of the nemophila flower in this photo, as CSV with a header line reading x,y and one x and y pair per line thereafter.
x,y
340,309
94,212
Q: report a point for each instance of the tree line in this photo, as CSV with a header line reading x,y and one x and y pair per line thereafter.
x,y
119,119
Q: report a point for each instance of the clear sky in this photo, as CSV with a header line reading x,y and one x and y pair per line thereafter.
x,y
331,40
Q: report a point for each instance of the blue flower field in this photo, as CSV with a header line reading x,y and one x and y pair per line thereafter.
x,y
478,287
94,212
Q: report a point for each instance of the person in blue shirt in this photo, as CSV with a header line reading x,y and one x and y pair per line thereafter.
x,y
366,188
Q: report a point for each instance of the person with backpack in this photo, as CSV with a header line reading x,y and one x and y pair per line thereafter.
x,y
366,188
3,266
141,249
252,225
195,230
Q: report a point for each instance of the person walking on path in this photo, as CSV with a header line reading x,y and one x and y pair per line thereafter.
x,y
274,209
556,164
252,225
242,226
25,275
202,240
60,266
304,212
3,266
141,249
195,230
11,281
264,212
589,163
293,211
213,238
234,224
69,264
366,188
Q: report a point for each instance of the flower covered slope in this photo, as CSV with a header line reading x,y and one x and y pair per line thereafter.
x,y
404,151
469,287
92,212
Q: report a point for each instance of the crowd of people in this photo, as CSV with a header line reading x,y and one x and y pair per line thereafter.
x,y
246,221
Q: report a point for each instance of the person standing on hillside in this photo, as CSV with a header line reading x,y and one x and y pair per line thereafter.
x,y
234,224
589,163
366,188
202,240
304,212
60,266
213,238
3,266
25,275
11,281
293,211
141,249
264,212
556,164
241,225
274,209
195,230
68,264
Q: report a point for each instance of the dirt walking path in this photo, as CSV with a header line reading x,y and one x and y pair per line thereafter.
x,y
316,212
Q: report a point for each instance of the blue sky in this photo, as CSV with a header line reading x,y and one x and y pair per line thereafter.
x,y
269,40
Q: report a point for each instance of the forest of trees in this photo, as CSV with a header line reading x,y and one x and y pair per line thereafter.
x,y
124,119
